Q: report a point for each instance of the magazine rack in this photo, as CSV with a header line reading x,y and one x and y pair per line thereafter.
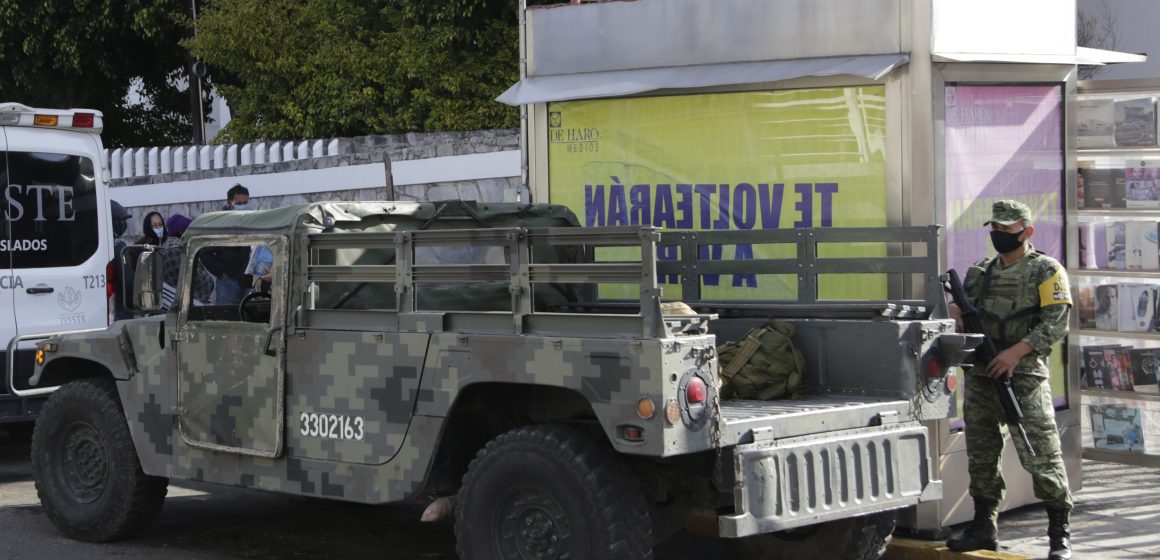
x,y
1115,270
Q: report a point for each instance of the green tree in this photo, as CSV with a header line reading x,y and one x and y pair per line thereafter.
x,y
318,68
89,53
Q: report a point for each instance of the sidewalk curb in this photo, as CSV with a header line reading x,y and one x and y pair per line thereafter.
x,y
909,549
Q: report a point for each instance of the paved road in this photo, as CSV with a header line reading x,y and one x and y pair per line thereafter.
x,y
210,522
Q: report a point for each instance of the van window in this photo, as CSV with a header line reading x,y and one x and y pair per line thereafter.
x,y
50,202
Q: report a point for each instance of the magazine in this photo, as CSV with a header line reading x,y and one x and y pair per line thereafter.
x,y
1142,184
1095,123
1104,188
1095,373
1107,307
1140,247
1145,364
1117,427
1135,122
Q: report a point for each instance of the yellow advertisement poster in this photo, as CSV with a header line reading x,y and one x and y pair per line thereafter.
x,y
730,161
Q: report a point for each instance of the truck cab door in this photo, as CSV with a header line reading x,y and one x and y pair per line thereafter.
x,y
231,356
7,279
57,243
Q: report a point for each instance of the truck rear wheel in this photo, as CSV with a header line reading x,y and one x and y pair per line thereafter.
x,y
857,538
551,492
87,474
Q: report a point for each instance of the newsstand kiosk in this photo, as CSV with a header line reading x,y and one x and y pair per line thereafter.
x,y
736,114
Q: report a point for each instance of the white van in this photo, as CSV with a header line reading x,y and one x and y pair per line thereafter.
x,y
56,245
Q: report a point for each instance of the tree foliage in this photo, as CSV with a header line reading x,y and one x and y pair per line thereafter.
x,y
319,68
89,53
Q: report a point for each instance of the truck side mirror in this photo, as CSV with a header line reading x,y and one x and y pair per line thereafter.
x,y
147,292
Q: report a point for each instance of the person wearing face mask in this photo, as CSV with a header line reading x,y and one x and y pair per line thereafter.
x,y
153,230
228,264
1024,298
237,198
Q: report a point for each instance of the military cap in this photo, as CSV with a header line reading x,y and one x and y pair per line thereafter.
x,y
1007,212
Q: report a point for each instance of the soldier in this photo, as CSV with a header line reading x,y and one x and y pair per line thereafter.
x,y
1024,298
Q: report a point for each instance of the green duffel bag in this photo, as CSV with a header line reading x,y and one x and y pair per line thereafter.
x,y
763,365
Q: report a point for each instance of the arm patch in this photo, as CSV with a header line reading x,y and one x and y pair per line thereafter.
x,y
1055,290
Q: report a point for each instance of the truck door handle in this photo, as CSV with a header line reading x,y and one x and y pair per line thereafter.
x,y
41,289
270,338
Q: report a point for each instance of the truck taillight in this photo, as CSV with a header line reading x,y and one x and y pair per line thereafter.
x,y
111,290
695,391
83,120
44,120
932,366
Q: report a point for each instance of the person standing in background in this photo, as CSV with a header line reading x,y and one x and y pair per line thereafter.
x,y
228,264
122,271
237,198
153,230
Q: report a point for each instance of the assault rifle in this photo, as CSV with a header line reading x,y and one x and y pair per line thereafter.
x,y
985,352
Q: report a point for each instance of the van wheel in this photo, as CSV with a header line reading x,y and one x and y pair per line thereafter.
x,y
856,538
551,492
87,474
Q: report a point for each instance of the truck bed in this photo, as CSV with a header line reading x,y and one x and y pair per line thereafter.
x,y
812,415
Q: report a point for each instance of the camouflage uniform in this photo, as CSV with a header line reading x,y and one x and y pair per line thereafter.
x,y
1028,301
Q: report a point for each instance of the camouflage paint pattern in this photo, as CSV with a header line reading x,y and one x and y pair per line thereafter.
x,y
372,375
1011,289
984,417
400,381
391,462
208,405
1018,287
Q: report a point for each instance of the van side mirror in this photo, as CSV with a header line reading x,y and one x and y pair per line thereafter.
x,y
147,283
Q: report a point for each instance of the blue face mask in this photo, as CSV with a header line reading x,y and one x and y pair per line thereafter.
x,y
245,206
159,232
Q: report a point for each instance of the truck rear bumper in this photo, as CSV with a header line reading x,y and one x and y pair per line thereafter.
x,y
782,484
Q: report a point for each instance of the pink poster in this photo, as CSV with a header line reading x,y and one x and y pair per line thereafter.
x,y
1002,142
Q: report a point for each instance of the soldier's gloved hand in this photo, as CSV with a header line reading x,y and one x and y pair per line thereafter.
x,y
1004,364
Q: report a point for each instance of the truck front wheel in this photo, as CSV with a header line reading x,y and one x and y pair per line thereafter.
x,y
551,492
856,538
87,474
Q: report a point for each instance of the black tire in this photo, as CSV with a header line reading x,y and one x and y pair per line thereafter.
x,y
551,492
87,474
856,538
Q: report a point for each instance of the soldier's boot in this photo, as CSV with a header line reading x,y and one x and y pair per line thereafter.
x,y
982,533
1059,534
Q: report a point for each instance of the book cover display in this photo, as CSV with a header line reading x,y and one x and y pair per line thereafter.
x,y
1140,246
1137,308
1145,364
1095,370
1104,188
1095,123
1116,245
1135,122
1085,305
1142,184
1117,427
1107,307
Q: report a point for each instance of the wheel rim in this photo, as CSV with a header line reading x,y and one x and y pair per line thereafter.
x,y
84,463
531,525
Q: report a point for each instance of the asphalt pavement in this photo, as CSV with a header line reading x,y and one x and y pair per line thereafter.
x,y
1117,516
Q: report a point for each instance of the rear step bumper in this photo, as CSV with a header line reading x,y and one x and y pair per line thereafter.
x,y
782,484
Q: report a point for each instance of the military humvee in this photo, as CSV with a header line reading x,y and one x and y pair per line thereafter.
x,y
414,351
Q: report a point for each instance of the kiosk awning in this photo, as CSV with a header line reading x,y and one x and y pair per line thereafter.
x,y
541,89
1083,56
